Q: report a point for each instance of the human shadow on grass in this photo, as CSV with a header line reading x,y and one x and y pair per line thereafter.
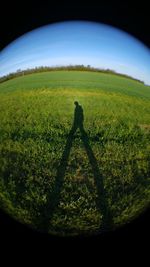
x,y
53,201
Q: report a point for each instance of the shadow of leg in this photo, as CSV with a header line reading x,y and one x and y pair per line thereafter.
x,y
102,203
48,210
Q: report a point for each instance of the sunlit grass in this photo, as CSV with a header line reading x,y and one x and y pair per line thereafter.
x,y
36,115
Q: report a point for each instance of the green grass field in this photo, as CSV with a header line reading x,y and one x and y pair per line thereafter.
x,y
82,184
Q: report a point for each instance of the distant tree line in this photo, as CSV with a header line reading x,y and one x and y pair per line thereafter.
x,y
20,72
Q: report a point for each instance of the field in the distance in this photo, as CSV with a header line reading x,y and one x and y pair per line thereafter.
x,y
82,184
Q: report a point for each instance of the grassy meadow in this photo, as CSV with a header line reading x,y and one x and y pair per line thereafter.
x,y
82,184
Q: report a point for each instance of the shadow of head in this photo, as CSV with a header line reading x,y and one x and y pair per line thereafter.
x,y
76,103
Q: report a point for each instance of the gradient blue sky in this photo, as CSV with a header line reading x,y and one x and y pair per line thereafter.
x,y
78,43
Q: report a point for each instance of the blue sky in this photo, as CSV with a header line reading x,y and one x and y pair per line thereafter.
x,y
79,42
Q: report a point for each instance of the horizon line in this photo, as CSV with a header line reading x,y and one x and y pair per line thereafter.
x,y
88,66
